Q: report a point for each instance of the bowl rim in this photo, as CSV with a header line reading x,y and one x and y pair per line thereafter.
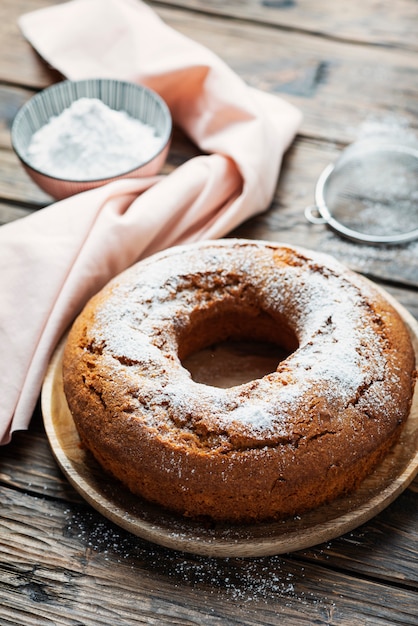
x,y
61,85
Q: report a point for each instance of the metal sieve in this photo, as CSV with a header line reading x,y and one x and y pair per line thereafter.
x,y
370,194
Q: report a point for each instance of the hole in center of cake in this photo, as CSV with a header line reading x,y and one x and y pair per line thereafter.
x,y
229,363
231,348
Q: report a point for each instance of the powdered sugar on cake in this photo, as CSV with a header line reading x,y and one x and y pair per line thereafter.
x,y
339,355
281,444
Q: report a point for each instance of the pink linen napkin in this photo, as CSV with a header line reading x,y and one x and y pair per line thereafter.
x,y
51,262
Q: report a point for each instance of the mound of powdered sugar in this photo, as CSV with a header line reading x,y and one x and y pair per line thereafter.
x,y
89,141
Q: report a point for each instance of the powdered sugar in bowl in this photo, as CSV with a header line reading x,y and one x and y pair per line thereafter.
x,y
77,135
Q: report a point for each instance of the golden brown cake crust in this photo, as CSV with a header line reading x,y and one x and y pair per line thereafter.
x,y
276,446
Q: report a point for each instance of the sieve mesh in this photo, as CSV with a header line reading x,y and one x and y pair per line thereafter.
x,y
371,193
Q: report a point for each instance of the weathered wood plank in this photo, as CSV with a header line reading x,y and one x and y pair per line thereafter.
x,y
67,565
348,114
11,99
28,466
366,549
10,212
340,87
19,63
384,23
15,183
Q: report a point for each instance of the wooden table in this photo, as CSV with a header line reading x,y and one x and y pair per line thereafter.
x,y
351,69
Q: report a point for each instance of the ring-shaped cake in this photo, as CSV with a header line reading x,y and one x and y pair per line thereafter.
x,y
276,446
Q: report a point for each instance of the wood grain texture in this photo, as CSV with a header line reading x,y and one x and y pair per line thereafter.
x,y
20,65
91,572
380,23
342,90
352,71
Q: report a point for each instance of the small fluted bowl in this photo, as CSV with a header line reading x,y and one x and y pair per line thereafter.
x,y
137,101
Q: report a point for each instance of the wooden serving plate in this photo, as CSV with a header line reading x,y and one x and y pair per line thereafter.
x,y
157,525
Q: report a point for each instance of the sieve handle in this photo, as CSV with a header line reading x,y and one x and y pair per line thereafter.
x,y
313,215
